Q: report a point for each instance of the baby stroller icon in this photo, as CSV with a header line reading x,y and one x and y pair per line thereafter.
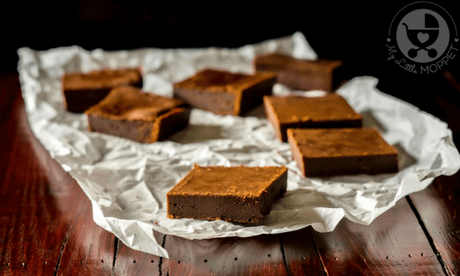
x,y
423,38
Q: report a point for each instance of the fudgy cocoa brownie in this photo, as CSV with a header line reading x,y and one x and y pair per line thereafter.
x,y
300,74
331,111
238,194
140,116
224,93
83,90
342,151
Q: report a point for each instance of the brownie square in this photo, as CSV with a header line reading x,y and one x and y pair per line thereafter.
x,y
237,194
300,74
83,90
224,93
140,116
344,151
330,111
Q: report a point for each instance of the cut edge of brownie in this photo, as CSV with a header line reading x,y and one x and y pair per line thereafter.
x,y
291,72
272,118
281,128
235,102
295,151
199,99
231,208
147,130
142,131
178,118
254,95
79,100
345,165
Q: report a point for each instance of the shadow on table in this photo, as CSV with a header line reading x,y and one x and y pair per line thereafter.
x,y
257,111
370,121
197,133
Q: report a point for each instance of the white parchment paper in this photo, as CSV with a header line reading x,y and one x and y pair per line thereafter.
x,y
127,182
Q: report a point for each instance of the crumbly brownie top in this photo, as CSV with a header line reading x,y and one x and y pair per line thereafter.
x,y
131,103
340,142
99,79
224,181
222,81
290,109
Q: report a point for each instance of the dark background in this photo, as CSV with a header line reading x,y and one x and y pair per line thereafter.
x,y
353,32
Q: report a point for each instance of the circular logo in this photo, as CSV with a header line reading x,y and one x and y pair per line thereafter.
x,y
422,37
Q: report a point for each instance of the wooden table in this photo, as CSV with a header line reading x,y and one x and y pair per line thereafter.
x,y
46,224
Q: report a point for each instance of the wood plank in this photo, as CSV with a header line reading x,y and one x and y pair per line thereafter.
x,y
132,262
439,209
89,249
45,220
393,244
300,253
438,205
31,227
260,255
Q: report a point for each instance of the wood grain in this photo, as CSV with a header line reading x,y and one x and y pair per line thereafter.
x,y
46,225
300,253
87,248
439,209
32,229
132,262
260,255
393,244
46,219
437,206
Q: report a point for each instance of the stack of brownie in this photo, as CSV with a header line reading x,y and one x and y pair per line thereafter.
x,y
83,90
114,104
327,138
325,133
143,117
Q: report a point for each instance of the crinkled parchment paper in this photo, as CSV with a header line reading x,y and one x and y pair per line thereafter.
x,y
127,181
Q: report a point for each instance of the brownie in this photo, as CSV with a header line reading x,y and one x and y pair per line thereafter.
x,y
330,111
140,116
237,194
300,74
344,151
224,93
83,90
